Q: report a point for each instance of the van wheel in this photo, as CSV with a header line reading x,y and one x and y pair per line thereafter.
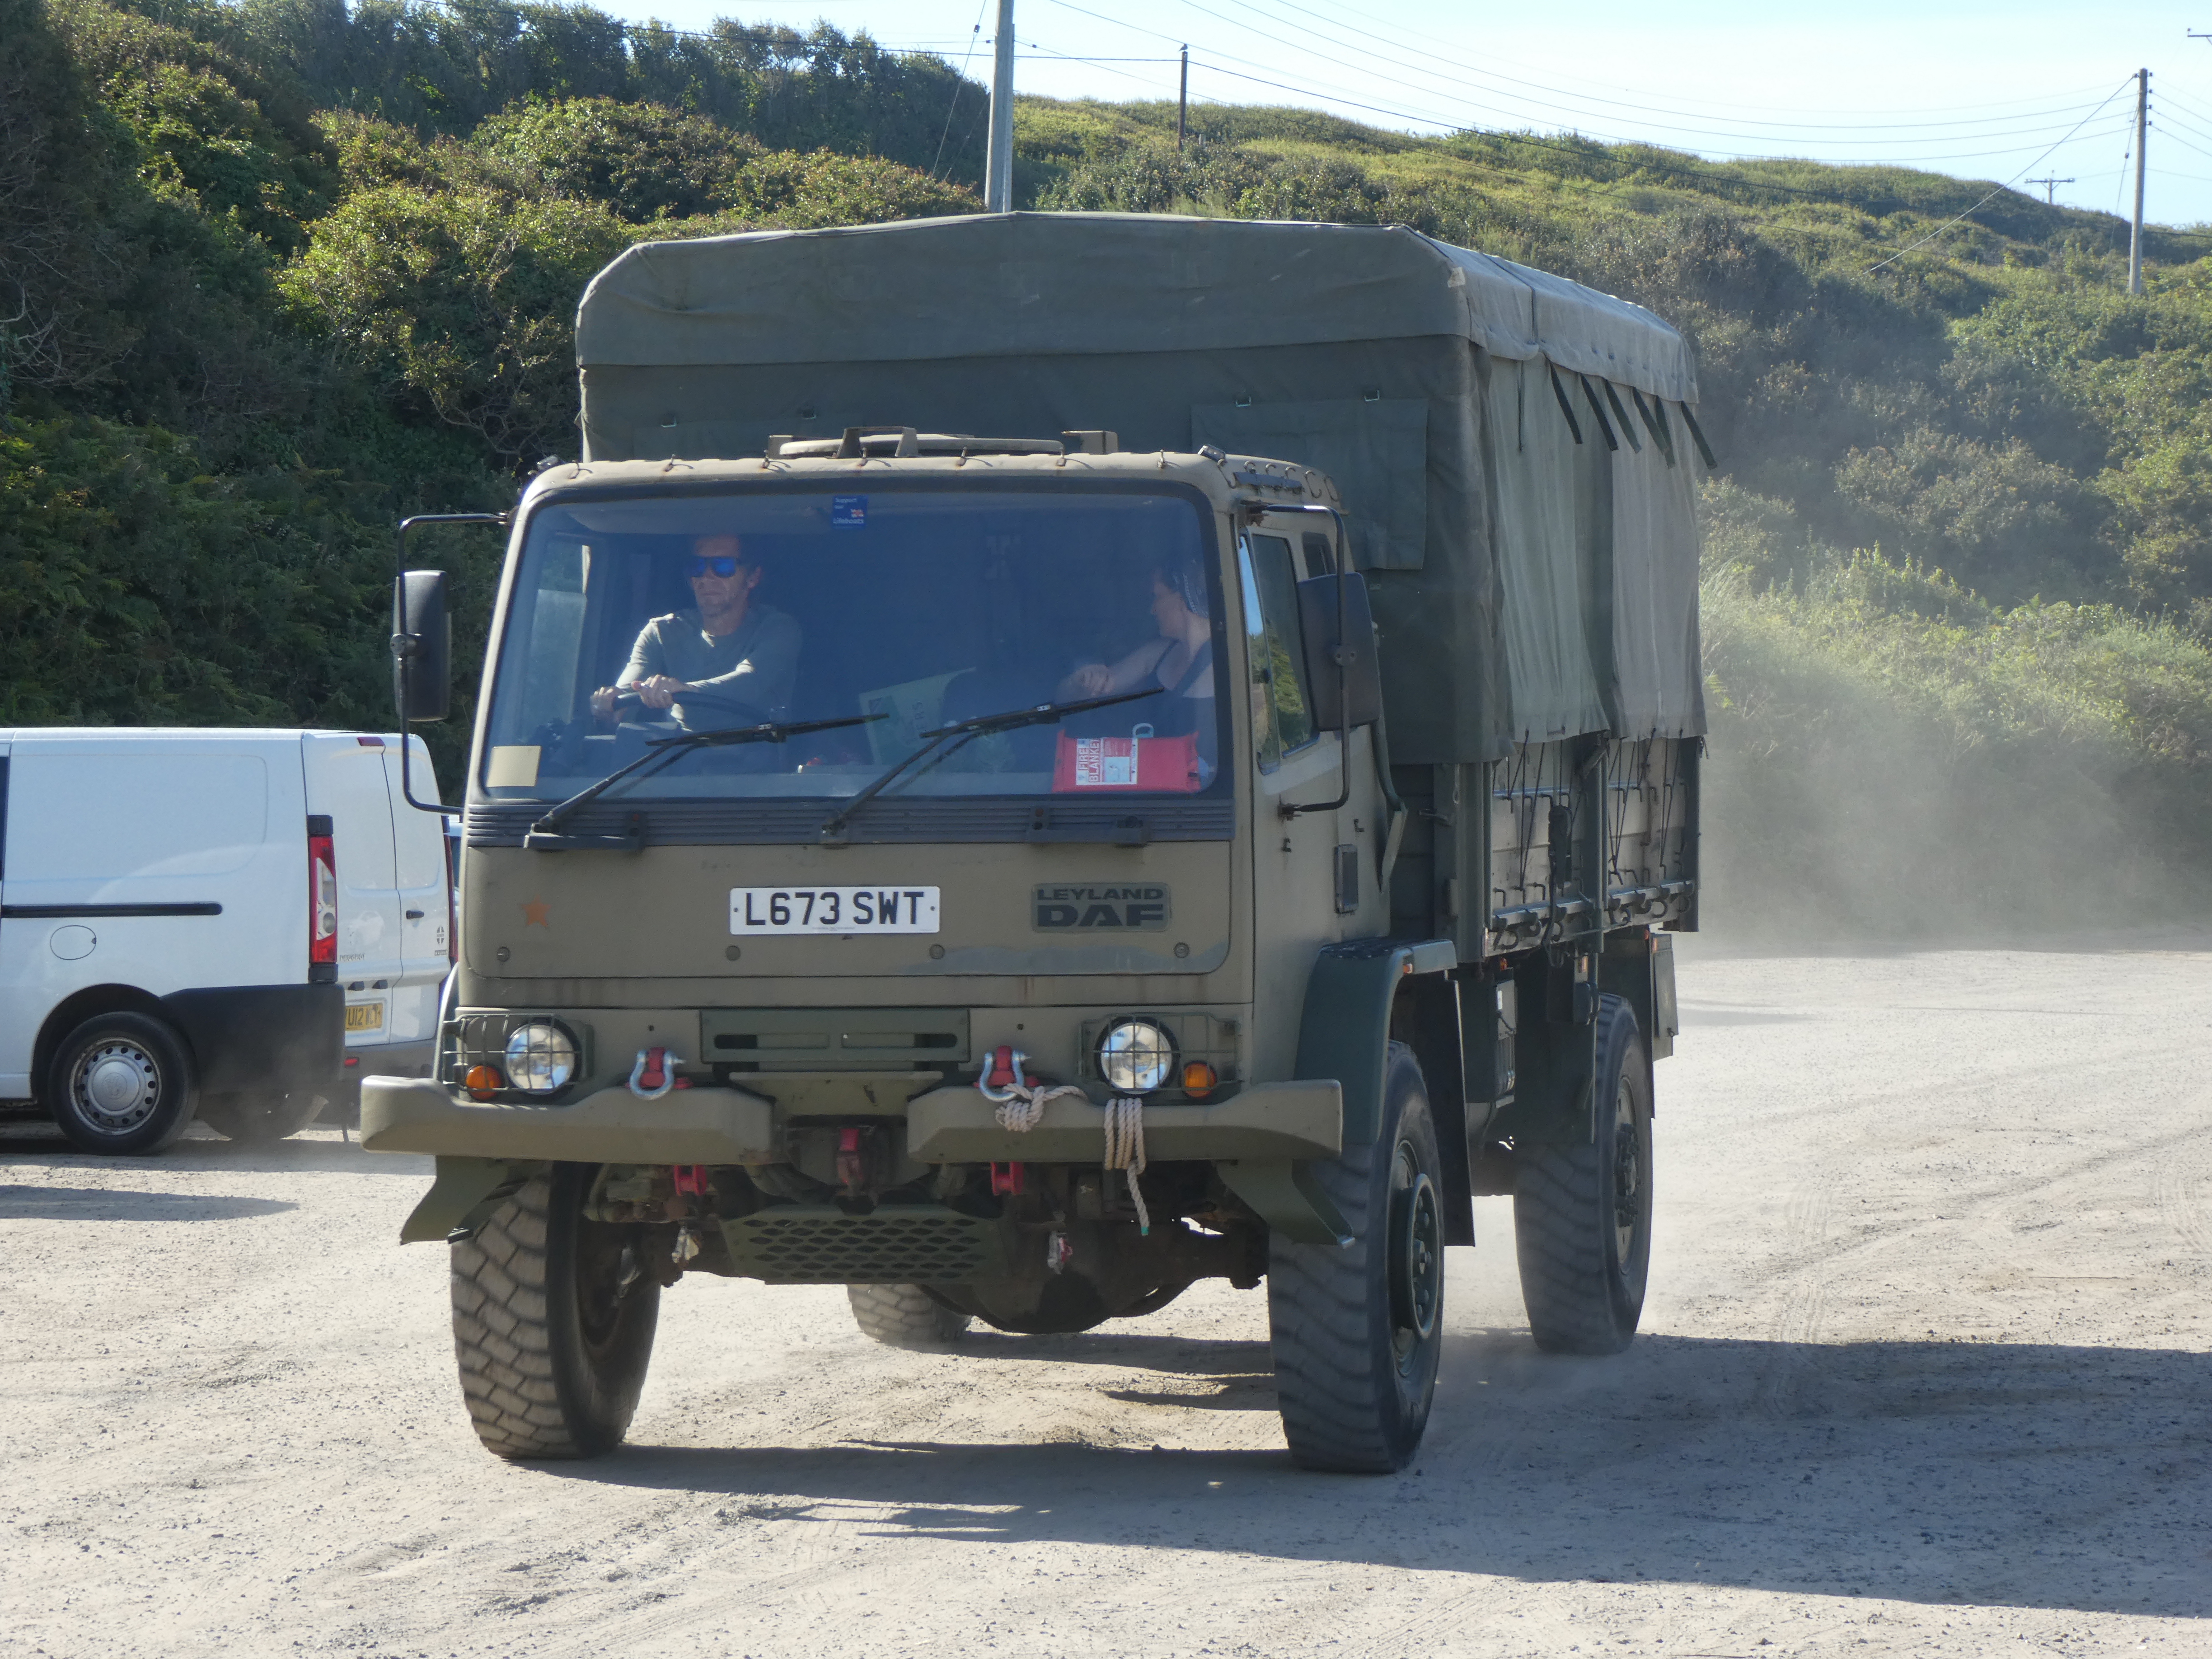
x,y
121,1085
1582,1215
553,1322
257,1120
1356,1328
905,1316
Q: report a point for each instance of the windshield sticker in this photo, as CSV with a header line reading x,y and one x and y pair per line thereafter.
x,y
513,766
848,511
1146,907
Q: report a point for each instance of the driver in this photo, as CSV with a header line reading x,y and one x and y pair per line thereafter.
x,y
737,658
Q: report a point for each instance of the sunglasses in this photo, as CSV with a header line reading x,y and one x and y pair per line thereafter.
x,y
699,567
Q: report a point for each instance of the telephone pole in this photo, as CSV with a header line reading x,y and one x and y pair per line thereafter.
x,y
998,158
1182,103
2143,129
2050,189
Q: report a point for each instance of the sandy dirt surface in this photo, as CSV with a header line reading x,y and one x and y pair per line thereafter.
x,y
1924,1371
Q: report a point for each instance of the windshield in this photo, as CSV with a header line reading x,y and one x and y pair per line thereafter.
x,y
638,619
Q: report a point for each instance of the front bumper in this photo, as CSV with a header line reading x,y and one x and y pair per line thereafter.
x,y
705,1125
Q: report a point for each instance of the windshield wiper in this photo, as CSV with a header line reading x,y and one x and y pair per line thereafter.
x,y
935,743
545,835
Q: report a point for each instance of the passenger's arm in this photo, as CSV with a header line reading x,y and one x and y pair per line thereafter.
x,y
1098,679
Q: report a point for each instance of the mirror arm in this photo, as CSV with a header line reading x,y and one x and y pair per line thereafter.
x,y
1342,656
403,645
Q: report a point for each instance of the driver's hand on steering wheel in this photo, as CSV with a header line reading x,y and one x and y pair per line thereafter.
x,y
659,690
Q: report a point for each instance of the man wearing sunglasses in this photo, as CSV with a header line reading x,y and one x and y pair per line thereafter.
x,y
728,662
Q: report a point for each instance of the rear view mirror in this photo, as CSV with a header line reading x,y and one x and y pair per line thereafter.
x,y
422,646
1340,637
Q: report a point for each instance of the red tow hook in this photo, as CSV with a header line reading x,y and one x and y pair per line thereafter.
x,y
851,1171
1006,1179
691,1179
1002,1067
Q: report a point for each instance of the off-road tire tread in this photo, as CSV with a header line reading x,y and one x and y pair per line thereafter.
x,y
1561,1199
502,1337
905,1316
1329,1367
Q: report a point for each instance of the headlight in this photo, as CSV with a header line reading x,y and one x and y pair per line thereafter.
x,y
1136,1056
540,1059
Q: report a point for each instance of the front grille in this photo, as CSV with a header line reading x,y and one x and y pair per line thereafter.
x,y
811,1244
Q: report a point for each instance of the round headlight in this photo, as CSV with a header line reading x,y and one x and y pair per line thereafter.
x,y
540,1059
1136,1056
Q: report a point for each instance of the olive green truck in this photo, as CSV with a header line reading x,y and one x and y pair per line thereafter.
x,y
1038,759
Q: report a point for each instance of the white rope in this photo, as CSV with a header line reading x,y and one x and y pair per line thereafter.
x,y
1125,1149
1025,1104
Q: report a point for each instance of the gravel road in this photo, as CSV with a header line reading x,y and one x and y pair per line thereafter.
x,y
1924,1371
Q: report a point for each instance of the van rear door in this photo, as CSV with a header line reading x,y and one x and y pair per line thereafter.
x,y
425,912
345,783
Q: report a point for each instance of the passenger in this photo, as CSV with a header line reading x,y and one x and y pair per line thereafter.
x,y
735,659
1180,661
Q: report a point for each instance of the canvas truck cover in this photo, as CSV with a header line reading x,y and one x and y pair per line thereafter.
x,y
1515,483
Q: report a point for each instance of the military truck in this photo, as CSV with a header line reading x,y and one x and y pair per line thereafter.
x,y
1039,759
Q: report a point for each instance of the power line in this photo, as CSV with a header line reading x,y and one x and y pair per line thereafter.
x,y
2000,189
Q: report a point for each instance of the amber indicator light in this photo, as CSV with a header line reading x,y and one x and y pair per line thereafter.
x,y
1198,1079
484,1081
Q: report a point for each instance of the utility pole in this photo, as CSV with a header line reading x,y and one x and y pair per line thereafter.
x,y
2143,129
1182,103
998,159
2050,189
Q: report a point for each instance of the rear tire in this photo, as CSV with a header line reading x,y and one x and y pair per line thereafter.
x,y
1582,1215
122,1086
552,1343
905,1316
258,1120
1356,1329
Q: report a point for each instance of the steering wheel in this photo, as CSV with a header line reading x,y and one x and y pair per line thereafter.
x,y
628,702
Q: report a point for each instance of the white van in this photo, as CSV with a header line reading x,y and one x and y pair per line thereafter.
x,y
234,925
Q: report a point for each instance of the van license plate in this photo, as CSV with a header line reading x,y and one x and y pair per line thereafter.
x,y
364,1016
833,909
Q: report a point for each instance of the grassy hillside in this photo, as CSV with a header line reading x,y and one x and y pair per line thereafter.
x,y
273,273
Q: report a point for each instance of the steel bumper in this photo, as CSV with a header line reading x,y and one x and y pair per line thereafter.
x,y
610,1126
1268,1121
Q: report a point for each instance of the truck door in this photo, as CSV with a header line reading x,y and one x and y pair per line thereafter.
x,y
18,1020
346,783
425,913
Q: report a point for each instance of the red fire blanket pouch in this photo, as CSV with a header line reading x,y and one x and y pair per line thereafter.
x,y
1138,761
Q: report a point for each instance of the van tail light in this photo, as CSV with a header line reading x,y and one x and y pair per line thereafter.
x,y
322,895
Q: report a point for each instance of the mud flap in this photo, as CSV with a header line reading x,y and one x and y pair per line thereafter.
x,y
461,1199
1283,1195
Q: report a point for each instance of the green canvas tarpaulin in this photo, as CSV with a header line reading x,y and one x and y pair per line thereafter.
x,y
1529,585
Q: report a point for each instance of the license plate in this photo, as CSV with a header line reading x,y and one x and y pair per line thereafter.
x,y
364,1016
833,909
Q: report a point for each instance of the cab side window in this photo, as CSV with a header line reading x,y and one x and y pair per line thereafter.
x,y
1282,712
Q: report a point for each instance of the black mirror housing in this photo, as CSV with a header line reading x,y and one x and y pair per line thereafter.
x,y
422,646
1335,617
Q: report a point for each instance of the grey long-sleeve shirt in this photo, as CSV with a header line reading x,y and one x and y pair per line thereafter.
x,y
753,666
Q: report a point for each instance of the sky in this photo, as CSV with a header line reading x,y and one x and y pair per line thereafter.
x,y
2024,90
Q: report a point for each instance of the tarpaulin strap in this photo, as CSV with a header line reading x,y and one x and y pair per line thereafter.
x,y
1699,433
1620,414
1019,1097
1656,422
1565,408
1125,1148
1597,408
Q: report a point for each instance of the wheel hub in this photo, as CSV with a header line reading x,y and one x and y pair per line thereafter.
x,y
119,1084
1627,1175
1417,1257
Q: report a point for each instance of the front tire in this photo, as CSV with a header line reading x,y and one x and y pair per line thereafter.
x,y
905,1316
1356,1328
1582,1215
122,1086
553,1322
